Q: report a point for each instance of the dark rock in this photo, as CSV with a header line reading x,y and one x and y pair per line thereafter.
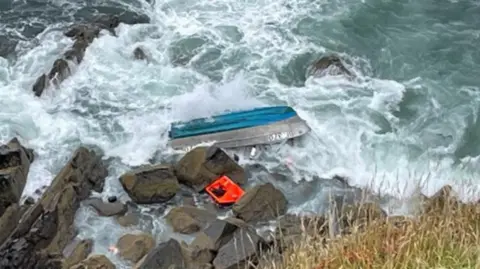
x,y
189,219
7,46
150,184
112,199
331,65
133,247
261,203
29,201
8,221
14,167
60,70
217,233
291,229
197,258
47,227
139,54
241,250
202,165
107,209
40,84
166,255
95,262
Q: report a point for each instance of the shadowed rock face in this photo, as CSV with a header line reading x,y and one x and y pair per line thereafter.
x,y
83,34
46,227
330,65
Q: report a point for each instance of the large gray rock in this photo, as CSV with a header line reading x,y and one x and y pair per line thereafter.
x,y
166,255
202,165
150,184
189,219
261,203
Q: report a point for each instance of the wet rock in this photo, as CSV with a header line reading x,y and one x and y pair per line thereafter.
x,y
217,233
129,219
7,46
202,165
166,255
150,184
112,199
291,229
330,65
14,166
107,209
60,70
139,54
77,251
133,247
189,219
242,249
8,221
40,84
95,262
47,227
261,203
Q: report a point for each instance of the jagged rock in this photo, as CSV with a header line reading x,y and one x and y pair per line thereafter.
x,y
331,65
166,255
261,203
8,221
40,84
189,219
47,227
14,166
107,209
202,165
77,251
150,184
139,54
133,247
60,70
242,249
217,233
293,228
95,262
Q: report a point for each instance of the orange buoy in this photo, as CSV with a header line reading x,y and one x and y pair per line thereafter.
x,y
224,191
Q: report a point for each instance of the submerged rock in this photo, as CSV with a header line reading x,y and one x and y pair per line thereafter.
x,y
189,219
139,54
14,167
202,165
330,65
150,184
47,227
261,203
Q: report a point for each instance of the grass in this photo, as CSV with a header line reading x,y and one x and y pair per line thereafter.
x,y
446,234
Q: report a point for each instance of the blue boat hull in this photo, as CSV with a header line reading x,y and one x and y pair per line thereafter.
x,y
244,128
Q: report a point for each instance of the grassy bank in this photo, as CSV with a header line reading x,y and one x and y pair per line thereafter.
x,y
445,235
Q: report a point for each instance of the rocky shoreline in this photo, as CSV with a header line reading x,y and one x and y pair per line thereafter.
x,y
42,234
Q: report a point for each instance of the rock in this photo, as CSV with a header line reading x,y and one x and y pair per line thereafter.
x,y
166,255
331,65
217,233
196,257
47,227
14,166
107,209
150,184
133,247
40,84
291,229
139,54
242,249
95,262
202,165
442,200
112,199
77,251
261,203
359,214
8,221
189,219
7,46
129,219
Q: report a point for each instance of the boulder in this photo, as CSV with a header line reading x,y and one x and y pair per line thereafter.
x,y
14,166
243,249
442,200
166,255
261,203
217,234
47,227
77,251
150,184
189,219
95,262
197,258
291,229
8,221
139,54
107,209
331,65
133,247
202,165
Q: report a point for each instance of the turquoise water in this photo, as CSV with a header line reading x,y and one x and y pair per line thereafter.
x,y
409,118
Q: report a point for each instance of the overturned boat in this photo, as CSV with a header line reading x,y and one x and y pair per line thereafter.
x,y
259,126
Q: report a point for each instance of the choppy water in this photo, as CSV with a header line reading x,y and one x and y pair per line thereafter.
x,y
411,117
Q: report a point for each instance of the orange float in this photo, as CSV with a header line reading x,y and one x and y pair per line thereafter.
x,y
224,191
